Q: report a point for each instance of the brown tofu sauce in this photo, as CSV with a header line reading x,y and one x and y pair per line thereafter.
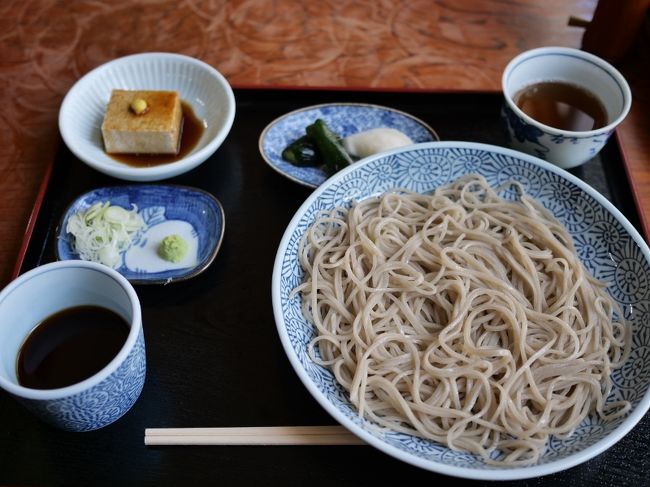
x,y
191,131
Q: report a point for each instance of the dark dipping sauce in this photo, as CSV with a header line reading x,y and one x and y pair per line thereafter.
x,y
562,105
191,131
70,346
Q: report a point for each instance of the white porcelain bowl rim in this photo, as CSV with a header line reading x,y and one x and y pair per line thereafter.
x,y
155,172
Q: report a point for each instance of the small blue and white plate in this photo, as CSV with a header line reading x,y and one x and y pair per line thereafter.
x,y
344,119
194,214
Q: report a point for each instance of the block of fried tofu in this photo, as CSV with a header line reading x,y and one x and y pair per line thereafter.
x,y
156,131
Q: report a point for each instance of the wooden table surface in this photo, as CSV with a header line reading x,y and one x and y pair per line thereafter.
x,y
46,45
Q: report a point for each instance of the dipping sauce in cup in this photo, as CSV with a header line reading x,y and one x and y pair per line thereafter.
x,y
71,344
562,104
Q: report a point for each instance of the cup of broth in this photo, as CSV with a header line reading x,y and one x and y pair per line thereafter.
x,y
562,104
71,344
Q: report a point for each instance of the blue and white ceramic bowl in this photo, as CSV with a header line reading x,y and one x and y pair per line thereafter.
x,y
194,214
606,242
564,148
102,398
344,119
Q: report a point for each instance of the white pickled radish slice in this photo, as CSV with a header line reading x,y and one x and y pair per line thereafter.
x,y
373,141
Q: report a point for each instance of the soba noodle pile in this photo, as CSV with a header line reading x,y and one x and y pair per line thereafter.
x,y
462,318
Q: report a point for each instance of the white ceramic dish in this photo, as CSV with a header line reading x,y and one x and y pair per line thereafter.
x,y
198,84
606,242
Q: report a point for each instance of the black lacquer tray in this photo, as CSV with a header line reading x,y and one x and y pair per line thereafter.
x,y
214,357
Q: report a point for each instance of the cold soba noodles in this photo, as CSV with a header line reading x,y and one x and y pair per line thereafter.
x,y
462,318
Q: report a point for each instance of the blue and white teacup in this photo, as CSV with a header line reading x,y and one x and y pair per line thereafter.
x,y
32,297
564,148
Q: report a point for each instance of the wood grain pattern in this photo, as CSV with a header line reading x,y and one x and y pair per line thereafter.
x,y
47,45
634,132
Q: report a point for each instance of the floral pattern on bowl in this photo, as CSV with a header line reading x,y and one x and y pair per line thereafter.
x,y
533,140
608,245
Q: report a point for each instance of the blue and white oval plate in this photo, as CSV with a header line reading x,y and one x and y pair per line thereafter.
x,y
194,214
344,119
608,245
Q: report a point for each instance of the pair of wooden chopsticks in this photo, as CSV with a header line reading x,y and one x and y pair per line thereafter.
x,y
267,435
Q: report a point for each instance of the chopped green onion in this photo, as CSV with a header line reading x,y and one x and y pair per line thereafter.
x,y
103,231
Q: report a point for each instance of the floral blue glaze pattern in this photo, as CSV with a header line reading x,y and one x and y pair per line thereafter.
x,y
344,119
531,139
156,204
102,404
607,244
